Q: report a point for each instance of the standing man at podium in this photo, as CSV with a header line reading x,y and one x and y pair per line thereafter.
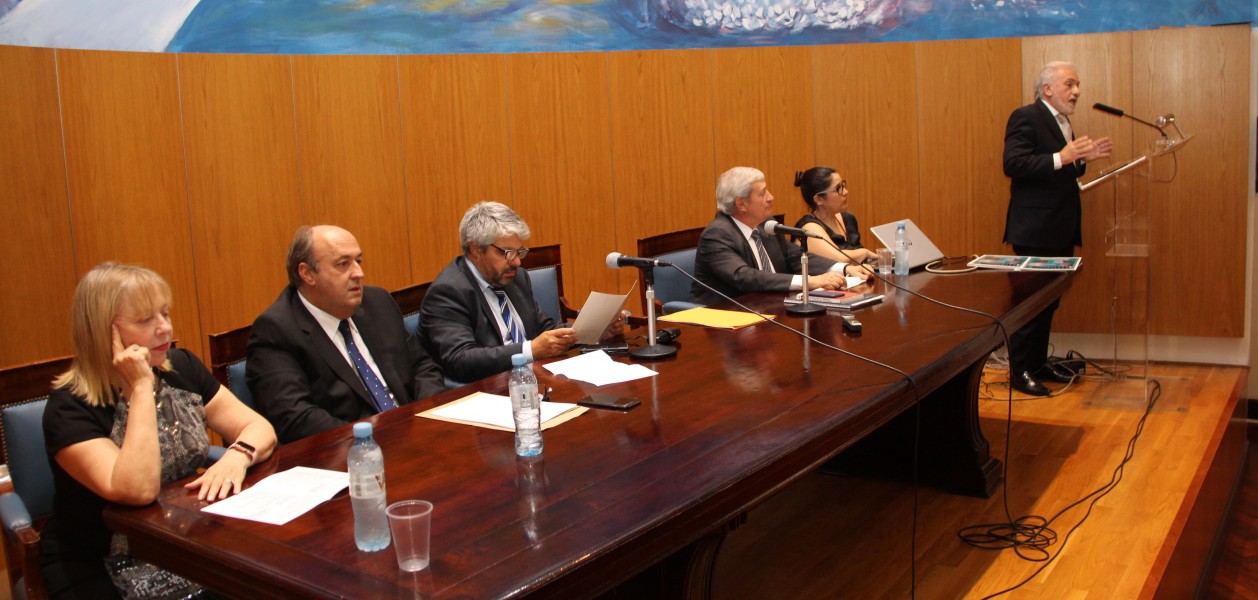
x,y
1044,160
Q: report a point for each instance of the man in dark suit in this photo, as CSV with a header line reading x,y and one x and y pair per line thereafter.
x,y
737,257
480,310
1044,160
330,350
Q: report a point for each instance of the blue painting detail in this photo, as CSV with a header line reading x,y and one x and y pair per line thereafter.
x,y
476,26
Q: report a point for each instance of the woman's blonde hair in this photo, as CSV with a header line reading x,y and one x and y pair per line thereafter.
x,y
97,300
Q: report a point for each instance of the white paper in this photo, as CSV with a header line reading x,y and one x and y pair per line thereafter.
x,y
283,496
597,368
852,282
597,315
492,409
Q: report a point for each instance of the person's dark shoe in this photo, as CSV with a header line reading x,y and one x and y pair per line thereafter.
x,y
1054,373
1024,382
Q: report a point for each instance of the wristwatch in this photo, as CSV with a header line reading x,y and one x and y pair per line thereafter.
x,y
244,448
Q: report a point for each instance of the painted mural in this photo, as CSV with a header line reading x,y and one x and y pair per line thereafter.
x,y
475,26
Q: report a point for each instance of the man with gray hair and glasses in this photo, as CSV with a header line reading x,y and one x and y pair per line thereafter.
x,y
480,310
737,257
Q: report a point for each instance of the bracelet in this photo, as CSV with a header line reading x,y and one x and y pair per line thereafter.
x,y
243,448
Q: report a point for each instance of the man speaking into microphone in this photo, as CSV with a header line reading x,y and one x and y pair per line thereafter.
x,y
1044,159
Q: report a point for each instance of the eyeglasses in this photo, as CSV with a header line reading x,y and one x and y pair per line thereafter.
x,y
519,253
841,188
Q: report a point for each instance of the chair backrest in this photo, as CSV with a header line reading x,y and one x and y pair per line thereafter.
x,y
409,300
23,394
545,266
677,247
227,361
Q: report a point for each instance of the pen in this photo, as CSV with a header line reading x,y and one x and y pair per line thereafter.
x,y
546,395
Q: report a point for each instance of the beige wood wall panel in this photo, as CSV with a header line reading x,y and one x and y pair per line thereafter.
x,y
966,91
1103,62
763,117
124,158
349,147
661,119
454,116
866,125
560,135
242,180
1199,219
34,216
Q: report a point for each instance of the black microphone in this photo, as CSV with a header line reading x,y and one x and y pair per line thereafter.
x,y
772,227
1119,113
616,260
1109,109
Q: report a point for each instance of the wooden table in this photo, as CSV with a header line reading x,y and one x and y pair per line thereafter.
x,y
733,418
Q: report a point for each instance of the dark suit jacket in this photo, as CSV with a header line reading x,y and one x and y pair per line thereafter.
x,y
303,385
457,326
726,261
1044,208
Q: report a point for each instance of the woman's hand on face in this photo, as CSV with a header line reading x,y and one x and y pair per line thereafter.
x,y
132,362
223,478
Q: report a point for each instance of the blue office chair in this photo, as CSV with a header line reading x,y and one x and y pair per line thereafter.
x,y
545,267
672,289
23,510
409,300
227,362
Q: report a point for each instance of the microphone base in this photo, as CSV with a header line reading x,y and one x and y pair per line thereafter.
x,y
805,310
653,351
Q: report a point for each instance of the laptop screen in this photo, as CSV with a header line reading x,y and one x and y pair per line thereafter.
x,y
921,249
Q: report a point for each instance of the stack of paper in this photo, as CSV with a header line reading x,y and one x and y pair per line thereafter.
x,y
283,496
494,412
597,368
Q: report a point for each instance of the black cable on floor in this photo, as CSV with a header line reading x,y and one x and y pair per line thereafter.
x,y
1030,536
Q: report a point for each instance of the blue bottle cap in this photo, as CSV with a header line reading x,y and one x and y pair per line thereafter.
x,y
518,360
362,430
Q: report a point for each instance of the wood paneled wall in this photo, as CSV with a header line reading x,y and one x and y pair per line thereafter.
x,y
201,166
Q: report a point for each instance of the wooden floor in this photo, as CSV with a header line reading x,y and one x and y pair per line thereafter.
x,y
841,537
831,536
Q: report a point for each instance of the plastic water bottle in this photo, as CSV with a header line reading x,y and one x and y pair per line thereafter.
x,y
901,250
367,491
526,406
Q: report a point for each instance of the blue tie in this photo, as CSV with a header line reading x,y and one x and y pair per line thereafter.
x,y
765,263
373,383
513,332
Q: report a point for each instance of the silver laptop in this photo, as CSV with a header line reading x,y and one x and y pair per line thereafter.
x,y
921,249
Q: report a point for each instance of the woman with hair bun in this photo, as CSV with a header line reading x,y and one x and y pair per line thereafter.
x,y
825,192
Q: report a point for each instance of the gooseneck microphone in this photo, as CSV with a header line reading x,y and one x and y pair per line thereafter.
x,y
616,260
1118,112
805,308
653,349
772,227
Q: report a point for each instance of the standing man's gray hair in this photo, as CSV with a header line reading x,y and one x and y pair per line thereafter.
x,y
734,184
488,221
1047,73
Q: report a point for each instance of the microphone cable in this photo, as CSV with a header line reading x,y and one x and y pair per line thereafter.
x,y
916,410
1032,531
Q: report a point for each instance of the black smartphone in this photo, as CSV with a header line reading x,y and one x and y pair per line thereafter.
x,y
608,401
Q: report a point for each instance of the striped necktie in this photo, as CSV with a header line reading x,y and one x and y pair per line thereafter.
x,y
514,335
379,393
765,263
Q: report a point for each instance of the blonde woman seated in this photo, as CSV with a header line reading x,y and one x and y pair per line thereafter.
x,y
825,192
129,416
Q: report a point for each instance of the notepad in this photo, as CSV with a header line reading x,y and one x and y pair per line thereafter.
x,y
713,317
492,411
